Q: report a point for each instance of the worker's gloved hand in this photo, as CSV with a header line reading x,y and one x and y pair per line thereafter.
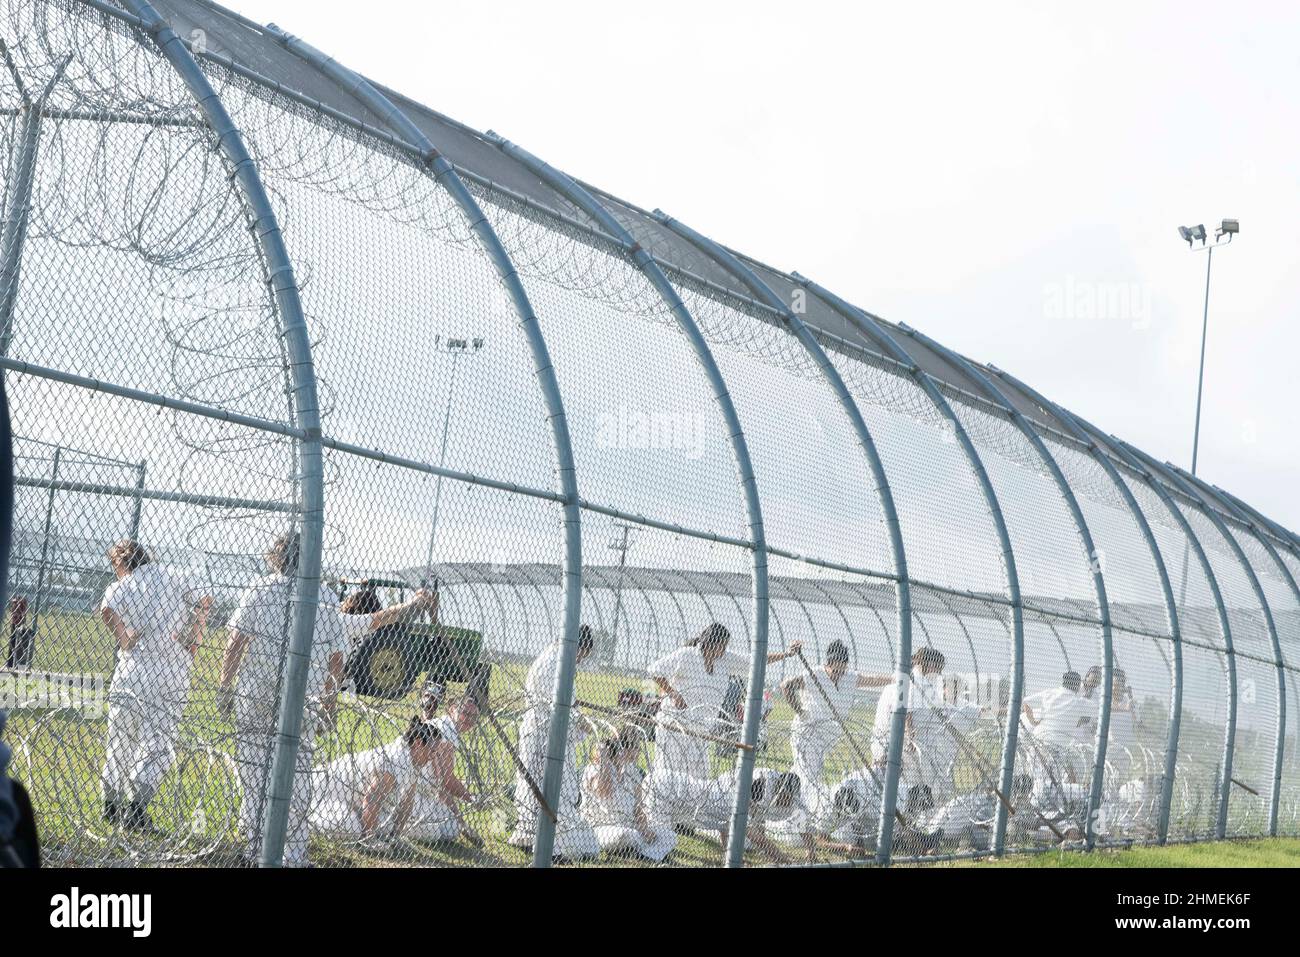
x,y
225,702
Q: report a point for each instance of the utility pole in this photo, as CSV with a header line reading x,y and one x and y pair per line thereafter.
x,y
622,545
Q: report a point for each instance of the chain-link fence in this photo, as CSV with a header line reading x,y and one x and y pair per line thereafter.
x,y
385,496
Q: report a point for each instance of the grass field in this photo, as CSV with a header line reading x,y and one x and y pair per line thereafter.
x,y
1279,852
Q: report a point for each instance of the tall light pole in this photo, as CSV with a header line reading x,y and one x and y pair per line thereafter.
x,y
456,348
1191,235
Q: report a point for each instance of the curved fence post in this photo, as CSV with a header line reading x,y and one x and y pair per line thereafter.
x,y
1157,471
765,293
1284,537
585,201
305,412
1166,588
17,202
995,395
1205,493
445,174
869,326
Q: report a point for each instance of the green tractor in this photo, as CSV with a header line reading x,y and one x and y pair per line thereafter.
x,y
387,662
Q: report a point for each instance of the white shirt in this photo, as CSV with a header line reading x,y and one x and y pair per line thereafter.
x,y
1064,717
925,704
359,770
447,728
156,604
928,709
890,698
819,716
265,614
539,685
702,690
1123,753
619,807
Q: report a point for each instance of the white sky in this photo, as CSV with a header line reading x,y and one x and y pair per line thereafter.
x,y
980,172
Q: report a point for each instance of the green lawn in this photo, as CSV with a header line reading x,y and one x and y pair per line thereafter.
x,y
1280,852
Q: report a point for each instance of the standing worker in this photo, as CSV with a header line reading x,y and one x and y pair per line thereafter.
x,y
156,626
255,651
574,837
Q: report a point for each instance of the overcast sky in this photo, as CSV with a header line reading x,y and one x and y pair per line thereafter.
x,y
1007,177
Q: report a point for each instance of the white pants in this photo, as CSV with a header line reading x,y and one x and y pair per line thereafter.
x,y
622,838
681,753
811,747
929,762
140,745
968,819
573,835
1130,807
336,817
674,797
254,752
431,820
850,810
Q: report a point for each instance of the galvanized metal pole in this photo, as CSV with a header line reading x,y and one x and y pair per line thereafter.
x,y
443,172
870,327
1204,493
442,457
1284,537
138,504
622,548
18,205
39,604
995,395
304,410
1166,589
1150,466
902,584
583,199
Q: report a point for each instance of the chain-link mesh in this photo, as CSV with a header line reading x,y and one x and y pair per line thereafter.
x,y
162,505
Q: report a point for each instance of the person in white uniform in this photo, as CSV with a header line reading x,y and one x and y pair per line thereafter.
x,y
968,820
370,794
574,838
1055,718
677,798
611,801
259,635
156,623
361,613
848,822
438,792
694,681
931,731
822,702
1124,755
1063,727
1132,771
